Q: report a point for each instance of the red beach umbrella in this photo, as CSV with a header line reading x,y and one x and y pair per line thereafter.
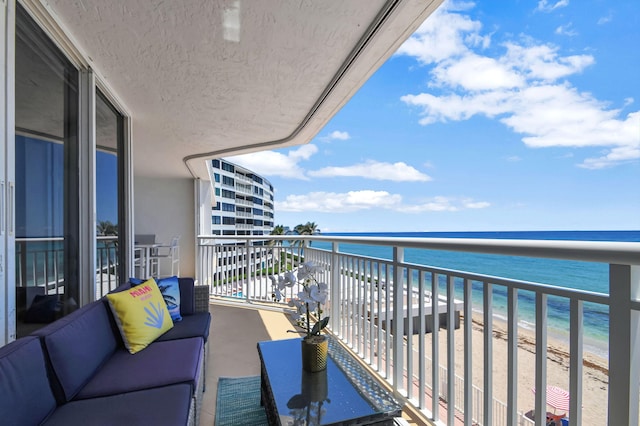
x,y
557,397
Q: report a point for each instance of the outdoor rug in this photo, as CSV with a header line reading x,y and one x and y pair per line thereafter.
x,y
238,402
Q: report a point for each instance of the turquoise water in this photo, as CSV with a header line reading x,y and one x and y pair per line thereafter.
x,y
587,276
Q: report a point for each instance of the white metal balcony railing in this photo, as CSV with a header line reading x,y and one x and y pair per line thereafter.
x,y
245,189
243,178
242,202
370,300
40,263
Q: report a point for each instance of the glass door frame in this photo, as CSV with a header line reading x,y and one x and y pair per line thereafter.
x,y
7,173
84,228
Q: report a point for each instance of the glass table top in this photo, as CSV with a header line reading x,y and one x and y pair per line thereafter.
x,y
344,392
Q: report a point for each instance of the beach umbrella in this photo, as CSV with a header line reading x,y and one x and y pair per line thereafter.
x,y
557,397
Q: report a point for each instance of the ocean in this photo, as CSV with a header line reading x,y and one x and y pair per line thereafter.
x,y
587,276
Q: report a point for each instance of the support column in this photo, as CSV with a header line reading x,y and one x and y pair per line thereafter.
x,y
7,173
87,188
624,342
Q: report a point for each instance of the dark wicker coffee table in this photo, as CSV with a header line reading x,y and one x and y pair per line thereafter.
x,y
344,394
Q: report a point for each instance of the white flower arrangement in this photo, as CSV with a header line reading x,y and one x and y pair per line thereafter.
x,y
309,301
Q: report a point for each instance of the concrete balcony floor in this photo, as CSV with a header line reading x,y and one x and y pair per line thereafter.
x,y
235,331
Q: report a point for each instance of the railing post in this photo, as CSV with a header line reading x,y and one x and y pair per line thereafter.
x,y
23,263
250,274
541,357
398,318
624,344
336,289
512,355
199,262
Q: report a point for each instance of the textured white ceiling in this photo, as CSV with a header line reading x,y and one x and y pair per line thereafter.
x,y
202,77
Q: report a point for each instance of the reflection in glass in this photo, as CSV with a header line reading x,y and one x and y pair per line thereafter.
x,y
108,144
46,164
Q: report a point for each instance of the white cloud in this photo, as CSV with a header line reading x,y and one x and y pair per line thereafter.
x,y
566,30
487,73
352,201
523,87
304,152
545,6
514,159
442,36
272,163
470,204
621,154
331,202
397,172
605,19
439,204
542,62
336,134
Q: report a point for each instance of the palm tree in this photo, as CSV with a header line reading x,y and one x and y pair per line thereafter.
x,y
105,227
309,228
278,230
275,251
168,299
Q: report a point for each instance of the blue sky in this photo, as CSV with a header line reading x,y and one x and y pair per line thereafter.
x,y
493,116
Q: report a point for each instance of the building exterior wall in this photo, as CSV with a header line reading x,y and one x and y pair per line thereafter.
x,y
165,208
242,200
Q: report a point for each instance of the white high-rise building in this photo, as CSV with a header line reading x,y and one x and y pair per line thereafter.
x,y
242,202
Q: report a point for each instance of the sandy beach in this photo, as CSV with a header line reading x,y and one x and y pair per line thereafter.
x,y
595,377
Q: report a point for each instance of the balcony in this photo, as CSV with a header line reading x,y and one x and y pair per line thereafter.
x,y
483,370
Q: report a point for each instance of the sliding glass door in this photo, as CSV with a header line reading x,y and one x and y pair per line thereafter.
x,y
46,171
110,217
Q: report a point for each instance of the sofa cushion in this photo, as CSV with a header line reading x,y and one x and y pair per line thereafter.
x,y
76,346
196,325
161,406
26,398
122,287
141,315
160,364
170,289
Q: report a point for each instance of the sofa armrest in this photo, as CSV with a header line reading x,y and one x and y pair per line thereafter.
x,y
201,295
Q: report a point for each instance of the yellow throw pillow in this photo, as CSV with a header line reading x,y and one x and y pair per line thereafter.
x,y
141,314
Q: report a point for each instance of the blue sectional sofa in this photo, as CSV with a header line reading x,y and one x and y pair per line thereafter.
x,y
76,370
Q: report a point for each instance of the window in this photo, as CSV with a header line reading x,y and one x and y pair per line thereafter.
x,y
257,212
228,220
110,214
215,220
216,176
47,205
228,167
217,206
226,207
228,194
216,164
226,180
